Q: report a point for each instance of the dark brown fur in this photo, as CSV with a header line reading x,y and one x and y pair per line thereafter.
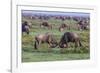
x,y
63,27
46,24
83,25
25,27
69,37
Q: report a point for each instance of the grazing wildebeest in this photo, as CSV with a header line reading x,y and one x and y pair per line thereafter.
x,y
69,37
77,19
83,25
25,27
63,27
62,18
30,24
46,24
32,17
45,38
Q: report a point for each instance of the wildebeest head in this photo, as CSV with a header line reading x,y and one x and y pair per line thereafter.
x,y
54,43
25,23
63,26
63,45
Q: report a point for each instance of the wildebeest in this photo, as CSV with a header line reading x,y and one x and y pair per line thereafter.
x,y
83,25
69,37
46,24
30,24
63,27
61,17
45,38
25,27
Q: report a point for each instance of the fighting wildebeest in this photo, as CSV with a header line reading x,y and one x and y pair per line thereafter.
x,y
69,37
45,38
46,24
63,27
25,27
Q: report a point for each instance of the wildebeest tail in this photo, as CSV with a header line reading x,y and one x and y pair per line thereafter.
x,y
35,45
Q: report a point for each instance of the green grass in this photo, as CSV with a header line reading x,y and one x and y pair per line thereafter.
x,y
52,56
29,54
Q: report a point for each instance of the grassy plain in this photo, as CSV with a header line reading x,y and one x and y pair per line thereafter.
x,y
29,54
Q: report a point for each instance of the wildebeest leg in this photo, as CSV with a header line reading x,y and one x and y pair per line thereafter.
x,y
39,44
36,45
49,47
76,43
27,31
80,44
